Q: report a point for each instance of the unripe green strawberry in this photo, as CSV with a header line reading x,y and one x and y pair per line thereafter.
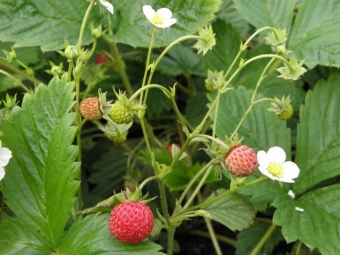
x,y
131,222
286,113
120,113
118,138
210,87
90,109
241,160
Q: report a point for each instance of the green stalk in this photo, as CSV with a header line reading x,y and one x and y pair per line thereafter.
x,y
216,114
154,65
160,183
226,193
69,72
77,106
153,35
16,80
82,28
171,236
192,182
18,71
253,35
252,103
263,240
165,51
220,238
27,68
199,186
78,136
210,228
120,64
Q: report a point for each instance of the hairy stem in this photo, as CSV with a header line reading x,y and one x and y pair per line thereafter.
x,y
263,240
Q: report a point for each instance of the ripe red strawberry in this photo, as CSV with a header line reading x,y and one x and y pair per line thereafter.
x,y
120,113
100,59
131,222
241,160
90,109
169,148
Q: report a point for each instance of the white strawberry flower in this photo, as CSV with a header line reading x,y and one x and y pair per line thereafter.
x,y
273,165
160,18
5,155
108,6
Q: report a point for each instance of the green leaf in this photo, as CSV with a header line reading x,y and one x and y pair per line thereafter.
x,y
40,184
315,34
278,14
157,103
91,235
264,193
17,239
233,211
227,46
196,108
134,29
103,177
250,237
318,225
43,22
229,13
318,138
181,173
181,60
6,83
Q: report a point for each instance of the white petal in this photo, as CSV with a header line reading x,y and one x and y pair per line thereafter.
x,y
299,209
107,5
165,13
286,179
264,171
262,158
291,194
149,12
5,155
167,23
277,154
290,169
2,173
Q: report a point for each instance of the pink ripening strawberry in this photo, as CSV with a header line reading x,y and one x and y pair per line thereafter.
x,y
241,160
90,109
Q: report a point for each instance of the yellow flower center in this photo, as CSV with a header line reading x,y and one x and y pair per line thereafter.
x,y
157,19
276,169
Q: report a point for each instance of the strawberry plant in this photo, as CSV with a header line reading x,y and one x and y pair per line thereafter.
x,y
169,127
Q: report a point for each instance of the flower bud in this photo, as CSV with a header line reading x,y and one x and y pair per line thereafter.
x,y
56,70
206,41
71,52
10,55
281,50
96,32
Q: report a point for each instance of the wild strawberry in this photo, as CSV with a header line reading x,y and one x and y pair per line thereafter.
x,y
169,148
100,59
118,138
241,160
120,113
90,109
286,113
131,222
